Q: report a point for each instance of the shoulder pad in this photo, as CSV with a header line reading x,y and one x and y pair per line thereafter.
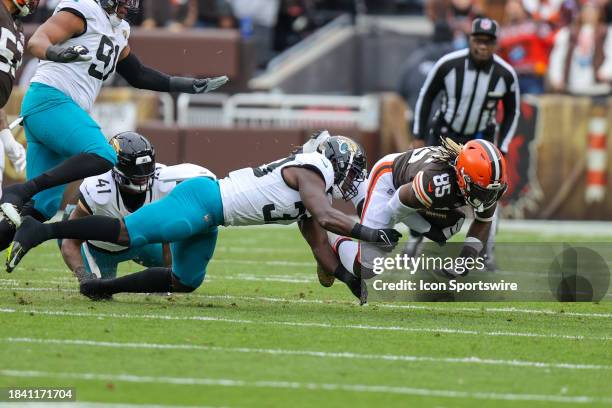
x,y
85,7
98,190
184,171
320,163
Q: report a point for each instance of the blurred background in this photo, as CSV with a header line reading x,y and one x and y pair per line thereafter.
x,y
356,67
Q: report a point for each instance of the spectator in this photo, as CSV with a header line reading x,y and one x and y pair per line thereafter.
x,y
581,60
544,10
211,14
525,43
258,18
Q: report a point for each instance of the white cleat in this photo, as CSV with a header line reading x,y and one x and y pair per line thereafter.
x,y
10,212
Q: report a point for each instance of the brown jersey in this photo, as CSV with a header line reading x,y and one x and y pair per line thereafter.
x,y
433,181
12,42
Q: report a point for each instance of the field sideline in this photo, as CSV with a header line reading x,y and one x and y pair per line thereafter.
x,y
261,331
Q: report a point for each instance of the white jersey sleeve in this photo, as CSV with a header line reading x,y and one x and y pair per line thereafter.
x,y
82,80
319,164
260,195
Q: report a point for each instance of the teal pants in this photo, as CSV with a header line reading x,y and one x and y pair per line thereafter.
x,y
187,218
57,128
104,263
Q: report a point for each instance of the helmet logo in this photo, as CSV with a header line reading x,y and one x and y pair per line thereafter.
x,y
115,144
343,147
143,159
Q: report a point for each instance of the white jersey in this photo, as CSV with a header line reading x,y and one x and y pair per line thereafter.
x,y
254,196
82,80
102,197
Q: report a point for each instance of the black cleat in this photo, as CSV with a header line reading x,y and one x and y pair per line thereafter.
x,y
93,289
14,198
360,290
26,238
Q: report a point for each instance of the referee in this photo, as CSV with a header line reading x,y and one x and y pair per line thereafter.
x,y
472,82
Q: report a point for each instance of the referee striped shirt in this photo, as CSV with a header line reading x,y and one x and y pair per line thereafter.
x,y
470,97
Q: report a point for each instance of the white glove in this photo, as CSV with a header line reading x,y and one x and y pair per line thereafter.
x,y
315,141
14,150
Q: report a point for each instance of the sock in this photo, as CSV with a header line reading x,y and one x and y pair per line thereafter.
x,y
94,228
347,252
152,280
74,168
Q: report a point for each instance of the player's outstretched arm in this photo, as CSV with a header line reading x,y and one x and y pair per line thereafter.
x,y
312,192
56,30
143,77
316,237
71,248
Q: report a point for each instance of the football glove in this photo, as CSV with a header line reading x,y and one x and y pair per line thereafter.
x,y
195,85
61,54
14,150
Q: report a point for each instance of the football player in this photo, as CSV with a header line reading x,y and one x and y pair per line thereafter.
x,y
417,186
12,42
80,47
135,181
282,192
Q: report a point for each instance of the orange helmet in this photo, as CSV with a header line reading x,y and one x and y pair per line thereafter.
x,y
481,173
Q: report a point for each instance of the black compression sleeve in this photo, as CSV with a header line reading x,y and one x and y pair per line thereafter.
x,y
142,77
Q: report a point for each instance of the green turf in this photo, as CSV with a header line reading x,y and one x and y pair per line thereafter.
x,y
261,331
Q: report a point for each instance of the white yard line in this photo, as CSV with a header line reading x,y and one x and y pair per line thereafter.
x,y
13,285
294,385
306,324
310,353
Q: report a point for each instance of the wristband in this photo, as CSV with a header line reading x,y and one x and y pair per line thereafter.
x,y
363,233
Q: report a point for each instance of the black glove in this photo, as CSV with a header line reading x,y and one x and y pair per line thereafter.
x,y
61,54
196,86
388,237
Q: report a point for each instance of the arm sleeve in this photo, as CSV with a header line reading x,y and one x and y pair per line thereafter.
x,y
431,88
142,77
512,111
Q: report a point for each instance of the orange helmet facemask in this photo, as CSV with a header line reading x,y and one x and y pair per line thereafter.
x,y
481,174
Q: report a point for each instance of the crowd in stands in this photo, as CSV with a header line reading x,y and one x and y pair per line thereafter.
x,y
554,45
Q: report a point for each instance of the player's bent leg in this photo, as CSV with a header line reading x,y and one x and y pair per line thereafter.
x,y
191,257
74,136
32,233
193,207
152,280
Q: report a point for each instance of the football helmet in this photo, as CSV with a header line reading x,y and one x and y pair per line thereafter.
x,y
25,7
481,173
135,168
111,6
348,160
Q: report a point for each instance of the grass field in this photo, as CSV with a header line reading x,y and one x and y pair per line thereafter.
x,y
261,331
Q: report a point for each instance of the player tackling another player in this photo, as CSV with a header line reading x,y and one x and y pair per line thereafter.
x,y
417,186
285,191
80,47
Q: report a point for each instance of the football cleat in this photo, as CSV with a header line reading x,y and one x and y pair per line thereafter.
x,y
92,289
10,213
325,279
26,238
